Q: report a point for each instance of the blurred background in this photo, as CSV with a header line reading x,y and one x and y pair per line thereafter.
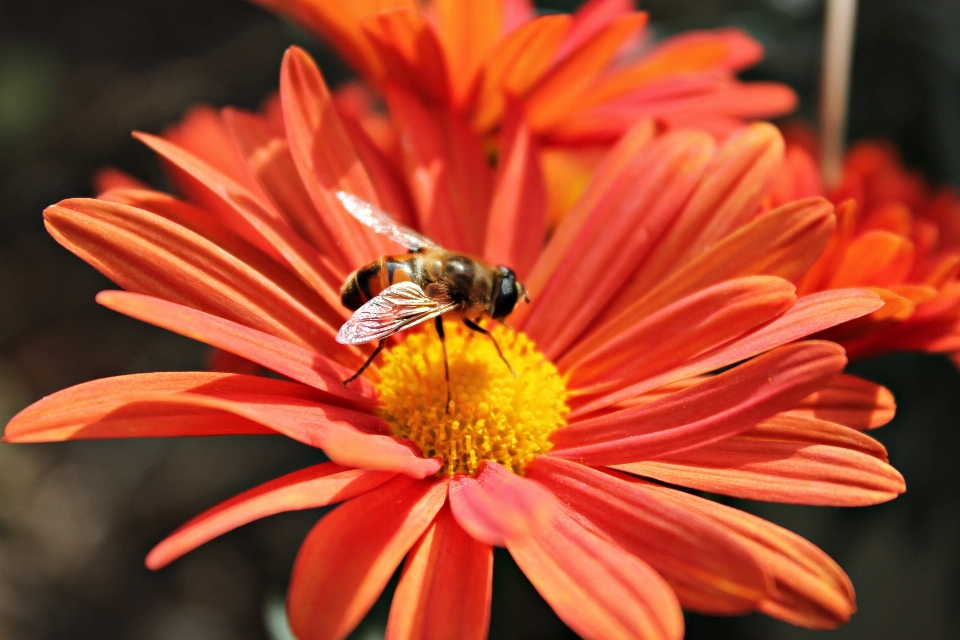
x,y
76,519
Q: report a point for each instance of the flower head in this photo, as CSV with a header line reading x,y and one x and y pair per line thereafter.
x,y
897,235
663,344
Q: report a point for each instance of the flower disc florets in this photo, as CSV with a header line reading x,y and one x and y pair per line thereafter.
x,y
493,415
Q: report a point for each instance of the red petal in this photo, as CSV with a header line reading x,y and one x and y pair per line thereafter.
x,y
147,253
273,353
445,586
497,504
811,590
316,486
599,590
110,408
785,459
720,407
469,31
517,227
850,401
349,556
590,19
677,333
808,315
708,569
325,158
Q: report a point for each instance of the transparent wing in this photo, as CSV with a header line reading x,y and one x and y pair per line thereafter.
x,y
397,307
382,223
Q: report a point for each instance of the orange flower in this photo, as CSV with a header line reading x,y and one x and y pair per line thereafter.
x,y
897,235
583,79
659,278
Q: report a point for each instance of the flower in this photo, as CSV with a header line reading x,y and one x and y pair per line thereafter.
x,y
897,235
583,79
644,300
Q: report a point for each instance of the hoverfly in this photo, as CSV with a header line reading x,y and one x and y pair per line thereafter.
x,y
397,292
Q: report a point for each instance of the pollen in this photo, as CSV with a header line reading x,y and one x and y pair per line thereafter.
x,y
493,414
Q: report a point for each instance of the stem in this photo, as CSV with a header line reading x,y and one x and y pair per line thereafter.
x,y
838,35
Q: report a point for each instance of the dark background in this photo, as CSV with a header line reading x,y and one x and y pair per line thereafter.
x,y
76,519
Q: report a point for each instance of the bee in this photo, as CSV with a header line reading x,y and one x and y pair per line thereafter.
x,y
397,292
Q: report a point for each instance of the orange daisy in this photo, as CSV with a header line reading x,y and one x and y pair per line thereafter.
x,y
897,235
663,347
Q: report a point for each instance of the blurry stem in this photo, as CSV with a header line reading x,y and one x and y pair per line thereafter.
x,y
838,34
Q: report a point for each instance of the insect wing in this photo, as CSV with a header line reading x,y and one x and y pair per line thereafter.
x,y
384,224
397,307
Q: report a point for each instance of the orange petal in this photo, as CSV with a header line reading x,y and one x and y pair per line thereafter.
x,y
875,259
325,159
811,590
349,556
850,401
726,199
718,408
517,226
447,171
412,55
590,19
316,486
678,332
110,178
273,353
710,571
781,243
497,504
146,253
469,31
599,590
616,237
569,80
515,64
785,459
446,584
808,315
250,216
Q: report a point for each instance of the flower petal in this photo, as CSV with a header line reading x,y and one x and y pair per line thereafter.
x,y
349,556
598,589
616,236
720,407
469,31
325,158
145,252
785,459
676,333
110,408
273,353
497,504
316,486
517,227
445,586
709,570
850,401
811,590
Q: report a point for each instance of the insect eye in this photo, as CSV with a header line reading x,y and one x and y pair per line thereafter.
x,y
507,295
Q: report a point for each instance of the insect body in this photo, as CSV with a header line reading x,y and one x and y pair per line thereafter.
x,y
397,292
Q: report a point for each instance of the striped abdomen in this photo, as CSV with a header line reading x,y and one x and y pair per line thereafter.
x,y
366,282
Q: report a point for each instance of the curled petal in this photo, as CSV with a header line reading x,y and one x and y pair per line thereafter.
x,y
316,486
349,556
850,401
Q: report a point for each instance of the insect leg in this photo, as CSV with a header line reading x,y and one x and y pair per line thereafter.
x,y
365,364
446,366
475,327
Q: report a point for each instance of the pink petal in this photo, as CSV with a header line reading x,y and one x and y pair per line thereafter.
x,y
708,569
349,556
445,586
785,459
718,408
316,486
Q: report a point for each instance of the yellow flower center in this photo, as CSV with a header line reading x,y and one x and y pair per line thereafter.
x,y
493,415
